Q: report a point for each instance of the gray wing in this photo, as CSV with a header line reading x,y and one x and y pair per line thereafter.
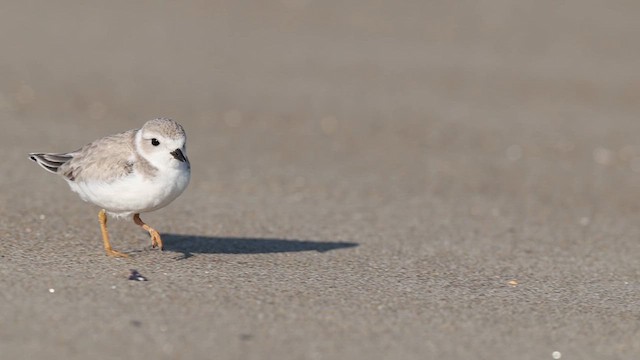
x,y
50,162
106,159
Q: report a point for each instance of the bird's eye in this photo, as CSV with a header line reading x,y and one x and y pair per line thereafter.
x,y
155,142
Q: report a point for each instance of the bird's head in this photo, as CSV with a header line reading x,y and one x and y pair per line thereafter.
x,y
163,143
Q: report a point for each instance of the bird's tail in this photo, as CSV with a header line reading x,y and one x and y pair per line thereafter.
x,y
50,162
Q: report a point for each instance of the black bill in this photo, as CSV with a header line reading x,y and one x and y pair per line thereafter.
x,y
177,153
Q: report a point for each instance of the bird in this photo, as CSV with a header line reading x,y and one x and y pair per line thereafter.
x,y
127,174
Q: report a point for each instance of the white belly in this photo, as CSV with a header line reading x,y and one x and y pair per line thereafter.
x,y
135,193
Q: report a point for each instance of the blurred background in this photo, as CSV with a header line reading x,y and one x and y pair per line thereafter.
x,y
465,146
407,115
439,97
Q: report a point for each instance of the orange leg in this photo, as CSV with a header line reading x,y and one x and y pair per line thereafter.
x,y
102,216
156,241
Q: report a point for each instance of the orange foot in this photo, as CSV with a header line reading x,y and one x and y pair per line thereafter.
x,y
116,253
156,240
102,216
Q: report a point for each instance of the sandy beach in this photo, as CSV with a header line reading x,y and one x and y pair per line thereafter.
x,y
387,180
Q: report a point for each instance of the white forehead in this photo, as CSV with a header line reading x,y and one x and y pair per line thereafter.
x,y
163,127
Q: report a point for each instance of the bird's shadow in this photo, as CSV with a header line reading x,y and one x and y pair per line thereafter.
x,y
194,244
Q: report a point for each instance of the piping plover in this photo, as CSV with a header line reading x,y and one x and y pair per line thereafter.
x,y
130,173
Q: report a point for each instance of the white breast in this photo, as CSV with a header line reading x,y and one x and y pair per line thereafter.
x,y
135,193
